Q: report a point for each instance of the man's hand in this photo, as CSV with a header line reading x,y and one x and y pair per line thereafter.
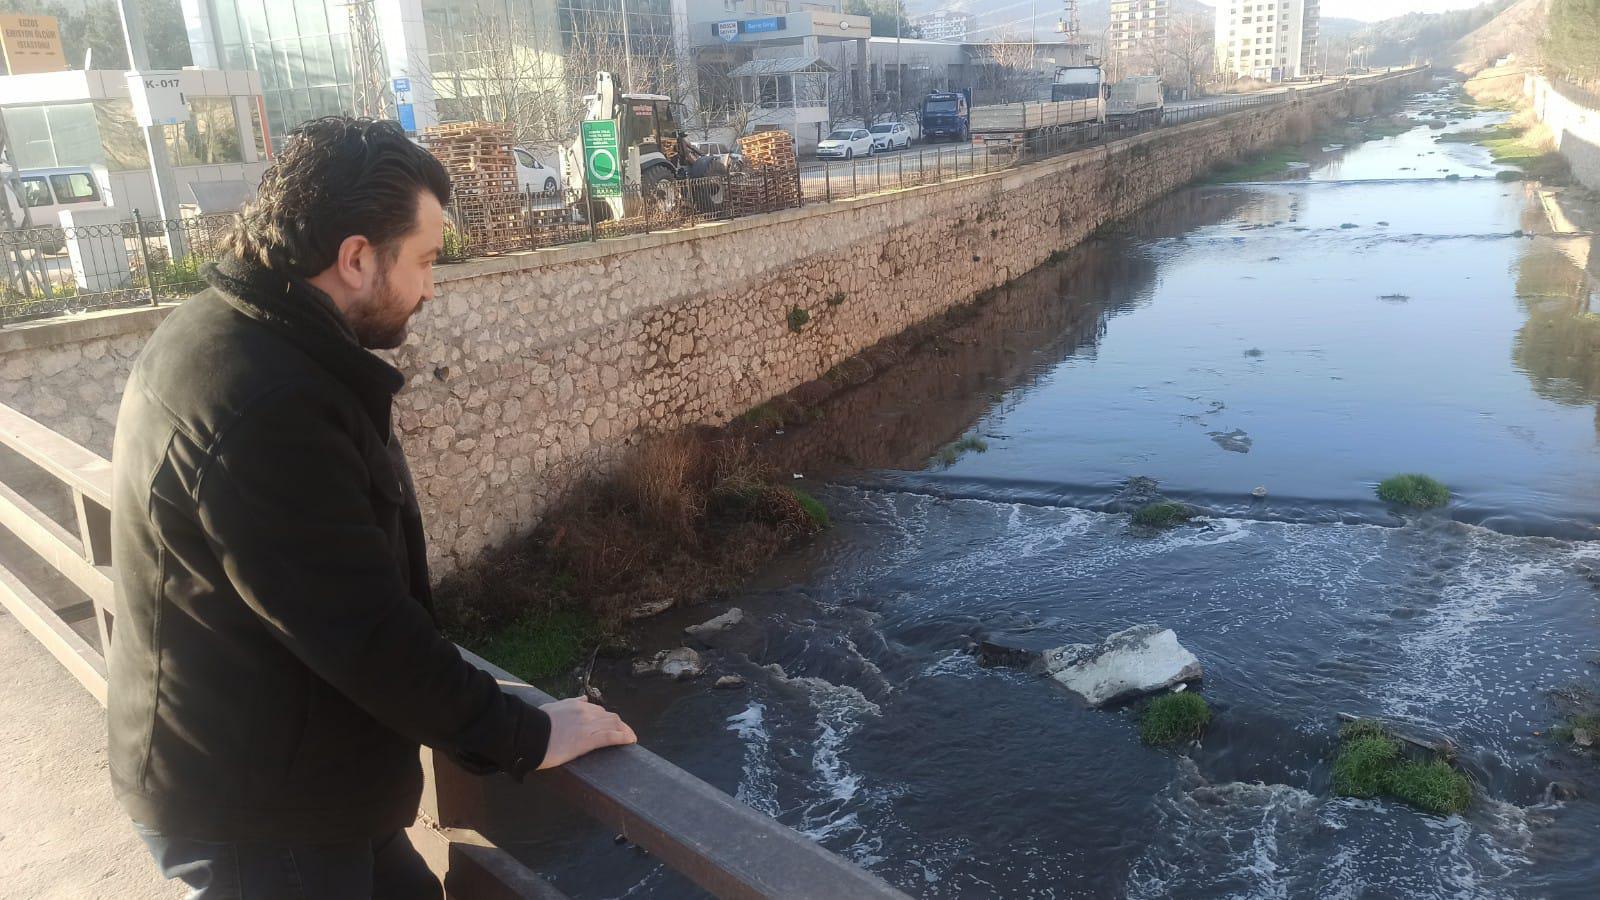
x,y
577,727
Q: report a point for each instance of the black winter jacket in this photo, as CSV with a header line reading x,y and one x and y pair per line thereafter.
x,y
274,660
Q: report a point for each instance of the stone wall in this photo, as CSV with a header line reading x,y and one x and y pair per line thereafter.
x,y
529,374
1574,122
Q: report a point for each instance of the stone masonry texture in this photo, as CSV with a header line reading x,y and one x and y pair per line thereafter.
x,y
528,375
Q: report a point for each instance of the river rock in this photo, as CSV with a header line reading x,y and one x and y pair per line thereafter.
x,y
710,628
682,664
1140,660
652,608
729,682
991,655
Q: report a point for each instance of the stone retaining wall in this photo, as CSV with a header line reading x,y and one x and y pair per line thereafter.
x,y
529,374
1574,123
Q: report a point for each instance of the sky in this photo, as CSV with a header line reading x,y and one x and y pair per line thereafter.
x,y
1373,10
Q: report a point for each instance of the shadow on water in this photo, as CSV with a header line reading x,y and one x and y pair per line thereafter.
x,y
1427,335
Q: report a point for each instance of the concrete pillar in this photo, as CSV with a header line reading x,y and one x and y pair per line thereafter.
x,y
863,80
96,247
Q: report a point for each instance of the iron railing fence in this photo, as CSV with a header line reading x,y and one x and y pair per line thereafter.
x,y
49,270
52,270
528,220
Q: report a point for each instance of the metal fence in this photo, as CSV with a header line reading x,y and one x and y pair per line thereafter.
x,y
50,270
528,220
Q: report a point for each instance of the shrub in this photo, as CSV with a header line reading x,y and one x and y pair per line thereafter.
x,y
1413,490
815,511
1172,718
798,319
1371,764
1162,514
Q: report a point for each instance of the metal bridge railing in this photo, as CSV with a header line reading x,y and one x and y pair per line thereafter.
x,y
56,578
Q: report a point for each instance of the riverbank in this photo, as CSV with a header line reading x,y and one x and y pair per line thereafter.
x,y
575,584
1311,335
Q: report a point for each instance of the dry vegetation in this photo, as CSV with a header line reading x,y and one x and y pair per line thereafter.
x,y
683,517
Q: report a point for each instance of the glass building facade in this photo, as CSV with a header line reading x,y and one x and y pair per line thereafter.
x,y
300,47
304,50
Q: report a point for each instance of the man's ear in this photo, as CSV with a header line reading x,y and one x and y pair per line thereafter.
x,y
356,262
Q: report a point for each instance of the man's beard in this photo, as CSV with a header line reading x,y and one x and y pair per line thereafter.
x,y
379,322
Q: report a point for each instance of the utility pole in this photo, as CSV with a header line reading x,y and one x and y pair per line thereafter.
x,y
627,50
155,139
899,69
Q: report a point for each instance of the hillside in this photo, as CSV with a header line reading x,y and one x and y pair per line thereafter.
x,y
1514,31
1424,36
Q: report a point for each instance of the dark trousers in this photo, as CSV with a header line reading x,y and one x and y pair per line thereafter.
x,y
388,868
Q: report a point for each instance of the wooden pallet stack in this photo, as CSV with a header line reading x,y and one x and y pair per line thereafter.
x,y
483,179
774,174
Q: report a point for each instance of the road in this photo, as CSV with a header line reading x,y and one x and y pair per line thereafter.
x,y
819,178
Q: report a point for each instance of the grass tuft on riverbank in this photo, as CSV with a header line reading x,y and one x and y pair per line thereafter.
x,y
1521,143
1417,491
951,453
682,518
1162,514
1174,718
1371,764
1268,166
541,645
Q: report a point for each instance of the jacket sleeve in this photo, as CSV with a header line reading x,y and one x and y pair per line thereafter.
x,y
286,506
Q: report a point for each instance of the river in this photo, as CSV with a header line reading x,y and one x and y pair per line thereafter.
x,y
1311,337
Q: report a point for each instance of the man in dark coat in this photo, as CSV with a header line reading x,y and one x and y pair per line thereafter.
x,y
274,660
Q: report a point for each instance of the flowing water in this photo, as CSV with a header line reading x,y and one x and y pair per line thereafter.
x,y
1310,337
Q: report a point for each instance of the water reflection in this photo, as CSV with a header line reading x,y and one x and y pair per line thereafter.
x,y
1003,344
1559,346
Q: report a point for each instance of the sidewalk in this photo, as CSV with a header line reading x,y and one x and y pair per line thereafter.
x,y
61,833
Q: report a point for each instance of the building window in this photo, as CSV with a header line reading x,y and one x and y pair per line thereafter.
x,y
61,134
210,137
121,138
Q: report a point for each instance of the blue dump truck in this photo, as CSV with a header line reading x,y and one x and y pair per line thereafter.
x,y
945,115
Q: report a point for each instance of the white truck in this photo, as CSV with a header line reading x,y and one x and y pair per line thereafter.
x,y
1076,98
1136,101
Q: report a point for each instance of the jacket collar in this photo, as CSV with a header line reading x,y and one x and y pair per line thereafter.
x,y
308,318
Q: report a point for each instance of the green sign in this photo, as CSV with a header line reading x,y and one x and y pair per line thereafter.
x,y
602,161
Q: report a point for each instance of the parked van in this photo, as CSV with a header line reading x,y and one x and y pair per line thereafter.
x,y
48,192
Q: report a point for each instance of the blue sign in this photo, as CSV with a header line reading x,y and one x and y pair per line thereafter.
x,y
728,31
402,85
756,26
408,117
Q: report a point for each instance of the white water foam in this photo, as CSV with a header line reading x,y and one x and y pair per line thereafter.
x,y
758,784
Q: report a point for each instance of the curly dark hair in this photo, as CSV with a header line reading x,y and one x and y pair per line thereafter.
x,y
336,177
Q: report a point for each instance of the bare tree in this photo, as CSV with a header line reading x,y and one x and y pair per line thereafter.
x,y
1190,52
526,72
1009,70
722,102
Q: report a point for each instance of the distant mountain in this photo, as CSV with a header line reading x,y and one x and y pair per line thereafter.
x,y
1423,36
1516,31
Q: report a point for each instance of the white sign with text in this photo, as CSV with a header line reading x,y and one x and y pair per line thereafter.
x,y
158,97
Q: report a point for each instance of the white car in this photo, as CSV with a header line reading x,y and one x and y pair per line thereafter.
x,y
846,143
533,175
890,136
49,192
